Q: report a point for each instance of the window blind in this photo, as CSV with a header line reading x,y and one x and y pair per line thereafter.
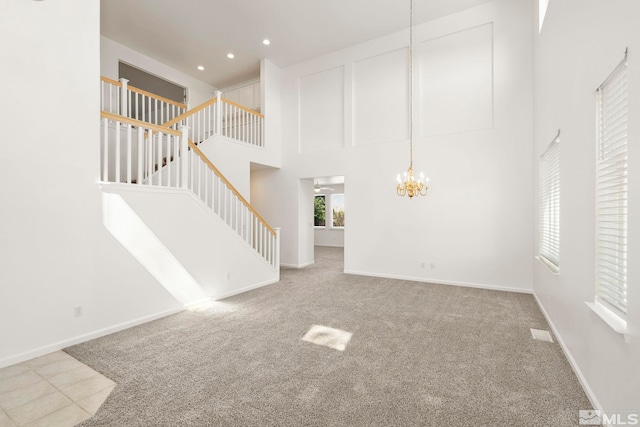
x,y
611,192
549,204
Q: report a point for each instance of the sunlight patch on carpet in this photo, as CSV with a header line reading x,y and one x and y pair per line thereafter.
x,y
328,337
209,307
541,335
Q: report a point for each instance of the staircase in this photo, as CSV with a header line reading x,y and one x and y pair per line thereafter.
x,y
158,181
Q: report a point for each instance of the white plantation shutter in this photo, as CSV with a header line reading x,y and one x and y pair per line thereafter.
x,y
611,192
549,204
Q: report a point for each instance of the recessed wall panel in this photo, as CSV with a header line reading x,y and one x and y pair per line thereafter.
x,y
456,82
321,100
381,98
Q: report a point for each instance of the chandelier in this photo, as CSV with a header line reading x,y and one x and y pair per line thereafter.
x,y
409,185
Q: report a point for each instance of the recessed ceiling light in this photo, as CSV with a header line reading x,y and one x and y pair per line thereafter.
x,y
200,67
266,42
230,55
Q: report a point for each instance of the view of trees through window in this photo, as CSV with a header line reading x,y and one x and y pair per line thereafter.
x,y
336,207
319,211
337,202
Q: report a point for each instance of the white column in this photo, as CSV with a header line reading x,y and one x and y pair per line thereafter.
x,y
277,245
184,156
218,128
124,97
139,179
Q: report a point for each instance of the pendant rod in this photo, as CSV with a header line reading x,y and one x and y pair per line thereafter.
x,y
411,84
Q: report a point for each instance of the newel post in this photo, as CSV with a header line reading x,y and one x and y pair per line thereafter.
x,y
277,244
184,156
124,97
218,125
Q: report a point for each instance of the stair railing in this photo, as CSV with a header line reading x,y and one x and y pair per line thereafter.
x,y
118,97
220,116
202,121
210,185
137,152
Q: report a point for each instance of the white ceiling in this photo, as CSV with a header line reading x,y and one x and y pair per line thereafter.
x,y
187,33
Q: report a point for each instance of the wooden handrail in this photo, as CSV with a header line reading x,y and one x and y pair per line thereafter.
x,y
204,158
248,110
144,125
190,112
158,97
108,80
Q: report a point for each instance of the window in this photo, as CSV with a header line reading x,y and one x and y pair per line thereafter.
x,y
611,192
337,211
549,206
328,210
319,211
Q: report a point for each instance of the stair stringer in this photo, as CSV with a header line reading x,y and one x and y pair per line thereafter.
x,y
220,261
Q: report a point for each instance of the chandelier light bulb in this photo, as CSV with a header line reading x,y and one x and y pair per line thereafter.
x,y
411,187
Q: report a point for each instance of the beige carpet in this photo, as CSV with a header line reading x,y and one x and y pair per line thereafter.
x,y
416,354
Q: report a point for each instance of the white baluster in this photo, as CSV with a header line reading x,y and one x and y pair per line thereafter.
x,y
130,96
137,112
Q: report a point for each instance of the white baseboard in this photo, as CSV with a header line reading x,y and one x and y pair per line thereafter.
x,y
307,264
245,289
442,282
572,362
41,351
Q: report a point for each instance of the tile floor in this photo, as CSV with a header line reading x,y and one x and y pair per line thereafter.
x,y
54,390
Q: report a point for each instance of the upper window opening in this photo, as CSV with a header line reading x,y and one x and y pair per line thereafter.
x,y
542,10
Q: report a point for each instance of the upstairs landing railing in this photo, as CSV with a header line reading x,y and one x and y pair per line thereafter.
x,y
137,152
220,116
118,97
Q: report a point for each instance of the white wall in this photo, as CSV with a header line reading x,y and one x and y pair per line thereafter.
x,y
581,42
55,252
184,244
246,93
111,53
475,224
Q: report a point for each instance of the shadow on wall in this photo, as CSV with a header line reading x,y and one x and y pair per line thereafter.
x,y
137,238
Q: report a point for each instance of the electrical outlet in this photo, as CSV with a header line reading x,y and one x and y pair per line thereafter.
x,y
228,276
433,266
77,311
422,265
